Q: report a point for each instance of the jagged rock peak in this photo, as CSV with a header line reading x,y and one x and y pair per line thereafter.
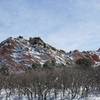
x,y
33,41
8,40
37,41
98,50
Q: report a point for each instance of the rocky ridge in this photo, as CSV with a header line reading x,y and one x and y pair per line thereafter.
x,y
19,54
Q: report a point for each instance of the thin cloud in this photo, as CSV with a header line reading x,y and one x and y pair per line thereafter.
x,y
65,24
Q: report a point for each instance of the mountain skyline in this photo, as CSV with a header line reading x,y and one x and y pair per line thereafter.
x,y
65,24
20,53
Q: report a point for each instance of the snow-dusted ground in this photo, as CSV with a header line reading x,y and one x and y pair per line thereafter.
x,y
92,97
15,96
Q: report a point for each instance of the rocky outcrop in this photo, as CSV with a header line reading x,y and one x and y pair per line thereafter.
x,y
19,54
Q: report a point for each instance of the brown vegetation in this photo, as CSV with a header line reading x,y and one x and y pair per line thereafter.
x,y
72,82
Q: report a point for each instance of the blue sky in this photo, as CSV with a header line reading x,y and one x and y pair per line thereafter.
x,y
65,24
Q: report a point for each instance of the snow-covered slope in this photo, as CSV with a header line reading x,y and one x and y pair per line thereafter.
x,y
19,54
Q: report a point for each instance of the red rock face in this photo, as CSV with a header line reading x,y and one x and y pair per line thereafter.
x,y
81,55
21,60
19,54
95,57
77,55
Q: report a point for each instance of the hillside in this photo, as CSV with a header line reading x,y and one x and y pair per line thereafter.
x,y
18,54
